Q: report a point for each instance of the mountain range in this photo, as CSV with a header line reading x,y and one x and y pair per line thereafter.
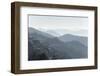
x,y
44,46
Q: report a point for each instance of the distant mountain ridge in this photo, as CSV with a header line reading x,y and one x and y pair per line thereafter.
x,y
38,35
42,46
69,37
32,30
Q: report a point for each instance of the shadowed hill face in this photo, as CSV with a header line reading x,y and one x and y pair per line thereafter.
x,y
42,46
77,49
37,51
71,49
53,41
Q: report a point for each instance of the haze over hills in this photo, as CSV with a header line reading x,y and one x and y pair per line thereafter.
x,y
58,32
69,37
43,46
52,32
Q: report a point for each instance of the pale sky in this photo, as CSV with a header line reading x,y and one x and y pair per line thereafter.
x,y
60,24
